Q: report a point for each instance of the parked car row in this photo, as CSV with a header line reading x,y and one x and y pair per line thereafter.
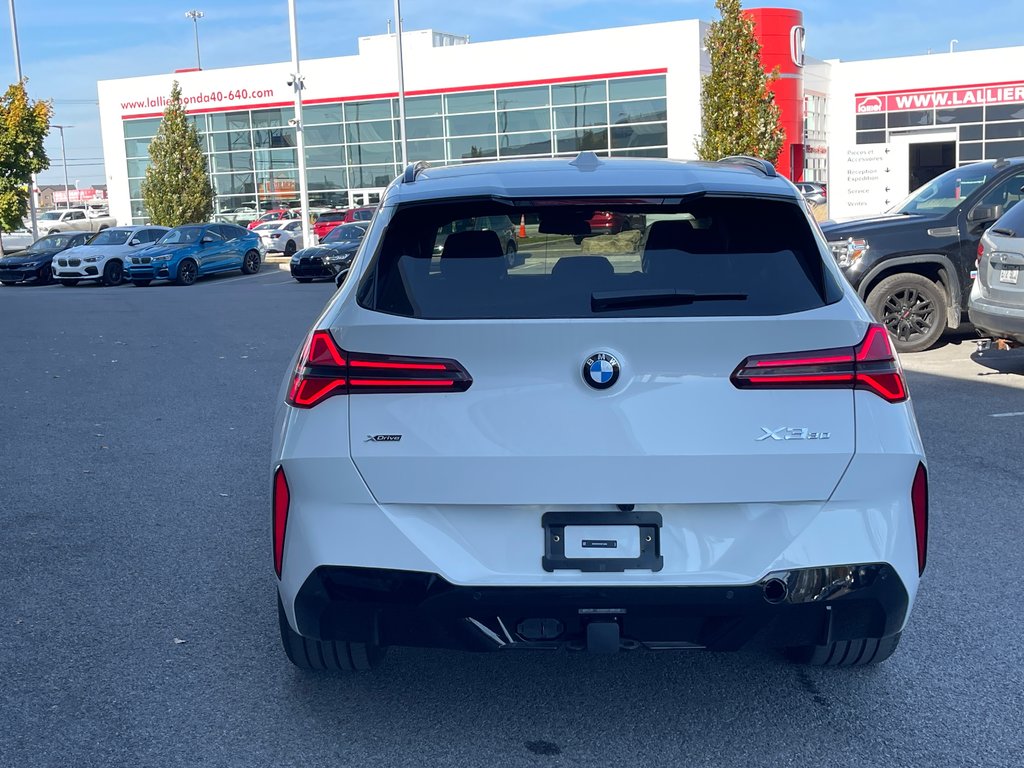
x,y
138,254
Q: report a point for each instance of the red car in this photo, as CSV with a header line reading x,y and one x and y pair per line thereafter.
x,y
327,221
276,214
611,223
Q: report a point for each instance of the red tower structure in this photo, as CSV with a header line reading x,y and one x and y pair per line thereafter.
x,y
780,31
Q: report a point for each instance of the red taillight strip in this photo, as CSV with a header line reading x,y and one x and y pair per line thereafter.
x,y
324,369
871,366
281,501
919,502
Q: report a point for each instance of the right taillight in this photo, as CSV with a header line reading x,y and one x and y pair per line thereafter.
x,y
871,366
919,501
324,370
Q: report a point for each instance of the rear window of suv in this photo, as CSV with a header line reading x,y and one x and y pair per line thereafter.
x,y
713,256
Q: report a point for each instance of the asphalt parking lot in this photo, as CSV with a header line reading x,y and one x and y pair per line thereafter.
x,y
139,626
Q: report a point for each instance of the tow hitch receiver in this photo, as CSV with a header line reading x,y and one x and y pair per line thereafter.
x,y
603,637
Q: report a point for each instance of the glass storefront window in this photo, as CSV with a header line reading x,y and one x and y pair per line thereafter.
x,y
378,109
524,120
319,157
472,101
371,154
372,176
469,125
229,121
326,178
322,113
267,159
427,149
422,106
652,152
474,148
578,141
539,143
273,139
136,147
581,116
643,111
1004,130
317,135
134,188
1004,112
134,129
578,93
911,118
228,142
234,184
628,137
232,161
272,118
424,128
137,168
964,115
378,131
636,88
521,98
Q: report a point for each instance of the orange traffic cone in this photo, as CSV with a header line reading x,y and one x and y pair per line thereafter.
x,y
522,226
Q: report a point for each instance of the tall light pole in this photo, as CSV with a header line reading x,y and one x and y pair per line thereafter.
x,y
401,87
300,142
17,71
64,161
196,16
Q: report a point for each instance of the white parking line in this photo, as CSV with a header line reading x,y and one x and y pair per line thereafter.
x,y
1004,415
240,277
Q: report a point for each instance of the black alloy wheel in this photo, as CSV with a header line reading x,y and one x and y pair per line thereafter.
x,y
912,308
289,249
187,272
113,273
250,263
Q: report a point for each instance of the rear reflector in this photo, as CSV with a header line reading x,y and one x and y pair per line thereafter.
x,y
324,369
280,517
919,501
871,365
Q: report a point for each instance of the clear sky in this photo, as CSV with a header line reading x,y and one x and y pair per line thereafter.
x,y
67,45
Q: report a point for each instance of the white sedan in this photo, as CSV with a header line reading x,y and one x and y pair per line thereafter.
x,y
281,236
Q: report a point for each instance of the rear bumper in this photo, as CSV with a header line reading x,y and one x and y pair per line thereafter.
x,y
996,320
811,606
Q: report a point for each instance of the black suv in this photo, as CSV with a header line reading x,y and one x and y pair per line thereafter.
x,y
912,265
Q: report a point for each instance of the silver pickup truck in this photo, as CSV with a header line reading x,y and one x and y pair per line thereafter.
x,y
72,220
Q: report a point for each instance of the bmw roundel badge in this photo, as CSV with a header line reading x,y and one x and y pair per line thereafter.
x,y
601,370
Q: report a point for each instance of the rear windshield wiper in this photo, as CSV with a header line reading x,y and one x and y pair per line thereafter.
x,y
603,301
1004,231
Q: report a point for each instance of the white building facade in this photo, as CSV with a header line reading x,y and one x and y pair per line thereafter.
x,y
872,130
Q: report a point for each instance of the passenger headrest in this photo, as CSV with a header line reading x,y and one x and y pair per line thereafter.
x,y
471,245
583,268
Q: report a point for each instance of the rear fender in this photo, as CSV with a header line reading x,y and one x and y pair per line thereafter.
x,y
947,275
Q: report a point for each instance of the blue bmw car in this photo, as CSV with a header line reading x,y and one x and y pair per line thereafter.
x,y
191,251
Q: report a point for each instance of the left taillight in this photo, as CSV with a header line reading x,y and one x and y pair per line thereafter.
x,y
871,365
324,370
281,500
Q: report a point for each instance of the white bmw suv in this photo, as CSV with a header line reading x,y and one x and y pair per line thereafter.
x,y
690,437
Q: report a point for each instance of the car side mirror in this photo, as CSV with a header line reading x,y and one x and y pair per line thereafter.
x,y
206,240
984,214
134,241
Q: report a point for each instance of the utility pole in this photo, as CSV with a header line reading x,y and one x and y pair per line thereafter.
x,y
196,16
300,142
401,87
64,160
17,71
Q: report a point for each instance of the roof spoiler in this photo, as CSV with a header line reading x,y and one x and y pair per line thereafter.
x,y
751,162
413,170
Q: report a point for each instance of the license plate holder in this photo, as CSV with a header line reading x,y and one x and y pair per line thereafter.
x,y
602,542
1009,275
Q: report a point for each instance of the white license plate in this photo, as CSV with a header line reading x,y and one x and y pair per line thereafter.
x,y
1008,275
603,541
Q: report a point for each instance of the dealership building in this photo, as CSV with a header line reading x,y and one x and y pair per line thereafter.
x,y
872,130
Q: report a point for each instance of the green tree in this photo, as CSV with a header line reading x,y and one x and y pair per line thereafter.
x,y
23,126
739,115
177,188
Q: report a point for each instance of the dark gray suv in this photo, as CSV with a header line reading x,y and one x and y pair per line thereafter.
x,y
996,305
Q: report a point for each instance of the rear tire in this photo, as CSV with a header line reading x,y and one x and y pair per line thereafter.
x,y
69,282
327,655
846,653
290,248
113,273
251,263
912,308
141,283
510,254
45,275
